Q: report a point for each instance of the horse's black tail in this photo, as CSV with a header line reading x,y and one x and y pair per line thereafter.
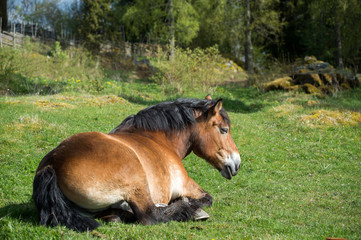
x,y
53,207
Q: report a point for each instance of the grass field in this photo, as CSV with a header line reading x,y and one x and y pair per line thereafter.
x,y
300,176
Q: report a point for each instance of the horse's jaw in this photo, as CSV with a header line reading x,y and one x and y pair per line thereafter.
x,y
231,166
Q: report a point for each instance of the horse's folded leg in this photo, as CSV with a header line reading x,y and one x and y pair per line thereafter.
x,y
177,211
117,215
111,218
200,214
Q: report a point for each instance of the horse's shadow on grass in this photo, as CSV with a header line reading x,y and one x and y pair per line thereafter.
x,y
25,212
238,106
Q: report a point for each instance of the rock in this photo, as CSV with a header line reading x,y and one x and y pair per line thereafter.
x,y
294,88
328,89
318,66
310,59
353,81
279,84
345,86
310,89
327,78
313,79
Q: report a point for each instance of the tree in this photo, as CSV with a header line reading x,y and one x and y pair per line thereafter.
x,y
4,14
213,27
94,22
248,48
151,21
331,34
171,29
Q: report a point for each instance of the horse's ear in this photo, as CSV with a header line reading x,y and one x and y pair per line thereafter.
x,y
208,97
216,108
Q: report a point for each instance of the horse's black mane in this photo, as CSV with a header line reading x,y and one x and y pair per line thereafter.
x,y
169,116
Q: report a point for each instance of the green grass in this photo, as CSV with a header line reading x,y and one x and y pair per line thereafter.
x,y
298,180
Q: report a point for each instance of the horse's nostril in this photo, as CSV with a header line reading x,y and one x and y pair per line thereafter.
x,y
229,171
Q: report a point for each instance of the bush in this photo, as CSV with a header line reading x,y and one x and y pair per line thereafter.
x,y
29,70
57,52
193,69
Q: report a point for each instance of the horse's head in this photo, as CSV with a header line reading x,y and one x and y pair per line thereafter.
x,y
213,140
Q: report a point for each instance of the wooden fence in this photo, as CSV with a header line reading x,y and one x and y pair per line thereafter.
x,y
17,32
11,39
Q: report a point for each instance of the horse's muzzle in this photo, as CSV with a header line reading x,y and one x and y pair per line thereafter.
x,y
231,166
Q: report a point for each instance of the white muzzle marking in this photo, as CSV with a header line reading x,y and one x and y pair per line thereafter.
x,y
231,165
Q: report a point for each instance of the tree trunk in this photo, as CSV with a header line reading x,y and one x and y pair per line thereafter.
x,y
248,44
338,55
171,31
338,21
4,15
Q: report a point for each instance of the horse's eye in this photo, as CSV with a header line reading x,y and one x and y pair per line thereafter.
x,y
223,130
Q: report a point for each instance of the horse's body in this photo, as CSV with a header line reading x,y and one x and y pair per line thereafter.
x,y
137,166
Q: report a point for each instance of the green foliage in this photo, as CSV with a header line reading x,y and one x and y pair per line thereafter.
x,y
284,30
149,21
216,20
95,20
30,71
313,32
8,62
57,52
192,69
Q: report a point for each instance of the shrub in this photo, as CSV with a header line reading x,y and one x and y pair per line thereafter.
x,y
193,69
57,53
30,70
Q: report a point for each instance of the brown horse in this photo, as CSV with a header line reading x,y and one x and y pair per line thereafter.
x,y
135,173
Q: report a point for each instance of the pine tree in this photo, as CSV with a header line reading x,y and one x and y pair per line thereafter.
x,y
94,22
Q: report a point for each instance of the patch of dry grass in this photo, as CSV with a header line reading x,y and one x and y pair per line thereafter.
x,y
46,104
102,100
328,118
286,109
28,122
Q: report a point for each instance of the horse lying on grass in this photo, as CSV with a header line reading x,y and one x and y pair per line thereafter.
x,y
135,173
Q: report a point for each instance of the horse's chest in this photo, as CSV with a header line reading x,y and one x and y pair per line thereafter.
x,y
177,183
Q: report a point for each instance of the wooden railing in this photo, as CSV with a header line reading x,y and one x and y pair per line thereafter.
x,y
11,39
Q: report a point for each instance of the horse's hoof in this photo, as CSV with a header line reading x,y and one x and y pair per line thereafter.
x,y
185,199
200,214
161,205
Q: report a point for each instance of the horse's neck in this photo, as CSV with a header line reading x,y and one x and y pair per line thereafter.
x,y
179,142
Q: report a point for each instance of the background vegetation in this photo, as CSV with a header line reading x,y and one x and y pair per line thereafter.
x,y
251,31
